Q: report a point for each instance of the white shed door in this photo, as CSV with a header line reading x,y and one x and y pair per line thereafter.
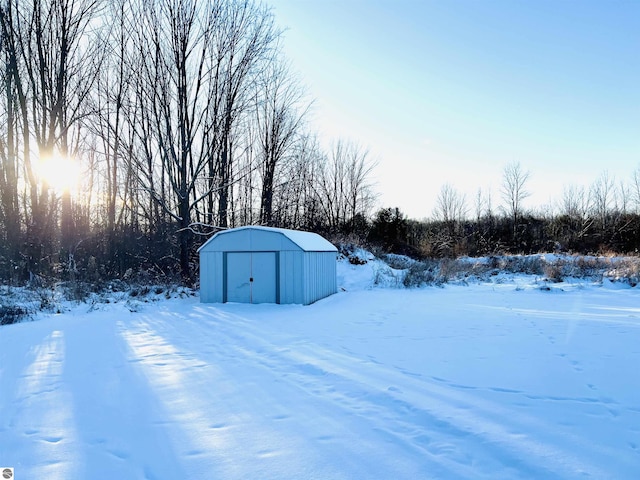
x,y
251,277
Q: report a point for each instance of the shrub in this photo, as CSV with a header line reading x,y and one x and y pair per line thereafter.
x,y
588,267
10,314
450,269
530,265
553,271
626,270
419,274
399,262
384,276
356,260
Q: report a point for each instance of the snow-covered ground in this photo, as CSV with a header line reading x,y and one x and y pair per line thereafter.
x,y
486,381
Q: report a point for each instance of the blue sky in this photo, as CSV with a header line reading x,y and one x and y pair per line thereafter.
x,y
452,91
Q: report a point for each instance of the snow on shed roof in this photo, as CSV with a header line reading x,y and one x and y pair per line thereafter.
x,y
307,241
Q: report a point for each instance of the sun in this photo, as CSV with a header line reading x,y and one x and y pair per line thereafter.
x,y
60,173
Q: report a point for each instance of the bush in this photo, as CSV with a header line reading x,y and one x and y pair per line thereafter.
x,y
419,274
626,270
530,265
580,266
356,260
384,276
10,314
553,272
399,262
450,269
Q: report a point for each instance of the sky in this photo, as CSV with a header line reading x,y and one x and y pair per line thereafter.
x,y
450,92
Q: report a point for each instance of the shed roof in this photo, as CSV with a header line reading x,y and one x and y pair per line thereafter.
x,y
307,241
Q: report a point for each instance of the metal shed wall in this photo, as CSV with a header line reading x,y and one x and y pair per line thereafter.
x,y
211,277
319,276
302,277
292,277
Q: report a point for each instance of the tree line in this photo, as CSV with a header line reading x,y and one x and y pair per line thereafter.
x,y
182,116
599,219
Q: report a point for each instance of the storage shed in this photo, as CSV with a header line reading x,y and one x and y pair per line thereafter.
x,y
267,265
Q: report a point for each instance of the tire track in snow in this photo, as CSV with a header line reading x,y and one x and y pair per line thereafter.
x,y
356,399
368,390
215,439
309,433
466,414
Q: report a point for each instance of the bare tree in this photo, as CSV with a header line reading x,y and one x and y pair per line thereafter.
x,y
450,206
196,61
514,192
635,189
52,63
109,119
110,125
602,198
623,197
279,115
10,228
173,59
242,38
573,211
574,202
297,202
359,193
451,210
344,186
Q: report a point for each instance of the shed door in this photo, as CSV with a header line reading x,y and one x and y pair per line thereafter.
x,y
251,277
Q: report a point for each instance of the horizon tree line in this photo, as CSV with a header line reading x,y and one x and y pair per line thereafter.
x,y
603,218
183,116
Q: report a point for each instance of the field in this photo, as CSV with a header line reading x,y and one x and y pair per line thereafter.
x,y
492,380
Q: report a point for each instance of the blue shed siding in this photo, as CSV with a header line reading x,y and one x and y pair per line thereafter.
x,y
302,275
291,277
211,277
319,276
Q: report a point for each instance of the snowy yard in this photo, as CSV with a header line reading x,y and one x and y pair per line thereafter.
x,y
485,381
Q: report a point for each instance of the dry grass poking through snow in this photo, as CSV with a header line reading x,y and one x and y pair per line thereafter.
x,y
21,303
551,268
